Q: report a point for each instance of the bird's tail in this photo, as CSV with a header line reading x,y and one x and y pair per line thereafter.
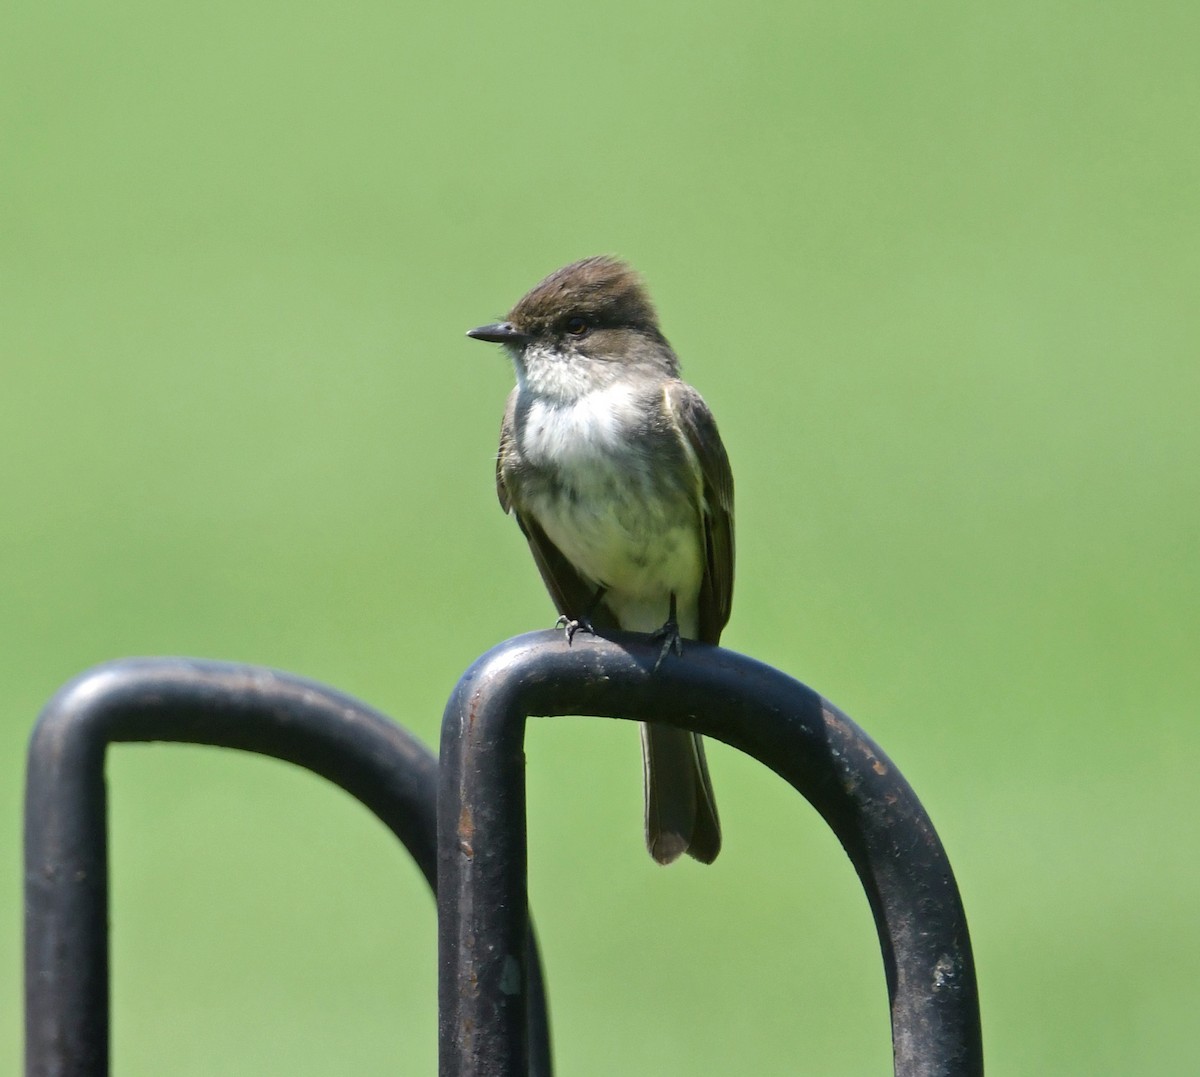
x,y
681,812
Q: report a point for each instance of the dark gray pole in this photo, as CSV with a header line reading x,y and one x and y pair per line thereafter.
x,y
483,987
170,699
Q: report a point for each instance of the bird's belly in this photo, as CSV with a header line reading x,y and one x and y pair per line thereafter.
x,y
639,548
624,510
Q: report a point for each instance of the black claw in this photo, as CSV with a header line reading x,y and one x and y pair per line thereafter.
x,y
669,634
584,623
672,641
572,626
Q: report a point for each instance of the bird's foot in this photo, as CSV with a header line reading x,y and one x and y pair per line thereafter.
x,y
672,641
571,625
584,623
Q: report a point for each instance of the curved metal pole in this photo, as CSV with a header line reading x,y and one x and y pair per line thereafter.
x,y
805,739
194,702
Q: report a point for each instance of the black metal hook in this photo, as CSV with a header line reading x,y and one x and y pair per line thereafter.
x,y
483,987
491,999
173,699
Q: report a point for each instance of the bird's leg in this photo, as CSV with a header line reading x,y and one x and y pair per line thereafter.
x,y
669,634
585,622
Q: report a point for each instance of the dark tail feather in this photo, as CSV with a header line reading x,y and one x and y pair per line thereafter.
x,y
681,812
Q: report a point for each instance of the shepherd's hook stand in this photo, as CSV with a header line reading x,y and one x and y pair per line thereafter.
x,y
492,1011
484,981
192,702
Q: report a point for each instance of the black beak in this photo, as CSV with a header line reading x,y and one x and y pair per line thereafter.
x,y
499,333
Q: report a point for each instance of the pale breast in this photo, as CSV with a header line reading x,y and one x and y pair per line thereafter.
x,y
572,433
617,497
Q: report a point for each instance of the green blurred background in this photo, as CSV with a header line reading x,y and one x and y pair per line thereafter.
x,y
933,266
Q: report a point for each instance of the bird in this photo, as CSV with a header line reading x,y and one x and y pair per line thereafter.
x,y
617,476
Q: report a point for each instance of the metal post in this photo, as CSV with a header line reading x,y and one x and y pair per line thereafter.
x,y
171,699
483,978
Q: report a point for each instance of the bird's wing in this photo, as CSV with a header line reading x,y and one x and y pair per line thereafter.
x,y
506,440
699,431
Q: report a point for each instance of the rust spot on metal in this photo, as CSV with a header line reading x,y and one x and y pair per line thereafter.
x,y
853,739
831,719
466,831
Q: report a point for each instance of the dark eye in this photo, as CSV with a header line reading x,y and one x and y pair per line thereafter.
x,y
577,326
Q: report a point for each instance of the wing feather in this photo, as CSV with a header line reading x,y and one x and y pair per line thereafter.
x,y
699,431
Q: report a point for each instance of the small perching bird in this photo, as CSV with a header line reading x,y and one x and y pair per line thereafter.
x,y
616,473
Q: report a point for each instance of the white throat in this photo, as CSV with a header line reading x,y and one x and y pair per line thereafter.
x,y
554,376
562,431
